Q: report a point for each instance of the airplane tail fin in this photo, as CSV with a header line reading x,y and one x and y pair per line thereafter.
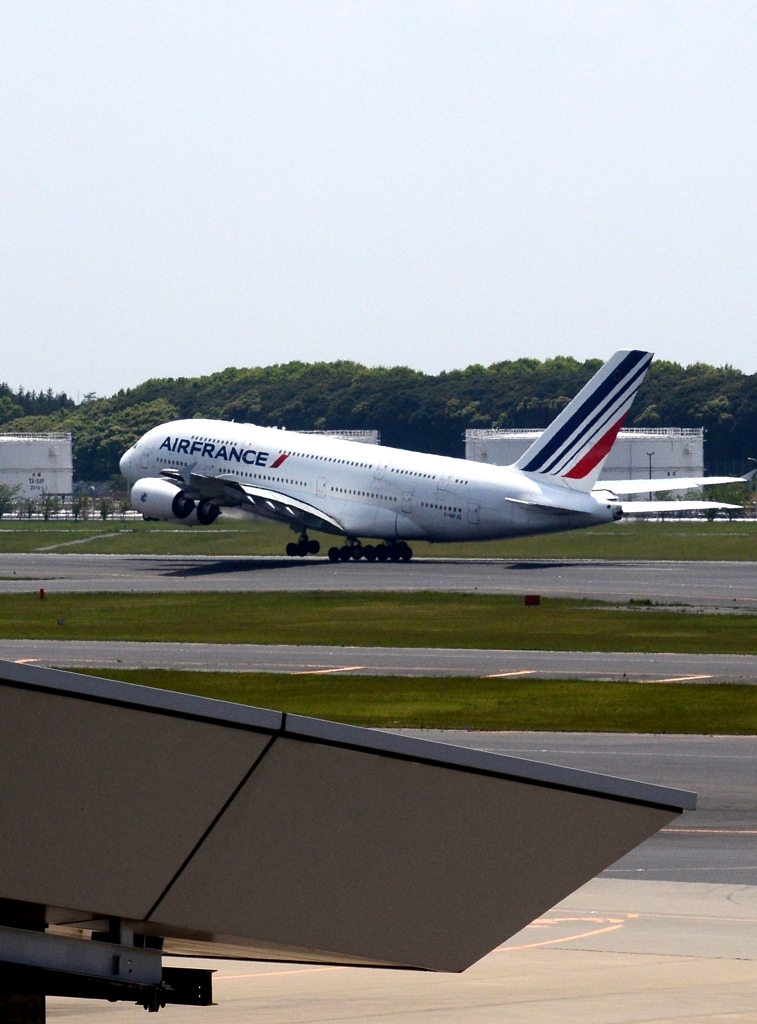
x,y
574,447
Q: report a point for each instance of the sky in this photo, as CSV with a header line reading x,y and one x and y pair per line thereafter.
x,y
186,186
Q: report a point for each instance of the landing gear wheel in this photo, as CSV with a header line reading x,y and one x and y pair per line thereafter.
x,y
369,553
394,553
382,552
207,512
357,551
302,548
313,547
292,549
334,554
406,552
345,553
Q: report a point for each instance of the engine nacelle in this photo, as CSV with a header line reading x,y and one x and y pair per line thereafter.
x,y
161,499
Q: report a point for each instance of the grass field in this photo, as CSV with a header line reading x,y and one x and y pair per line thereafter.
x,y
478,703
716,541
374,619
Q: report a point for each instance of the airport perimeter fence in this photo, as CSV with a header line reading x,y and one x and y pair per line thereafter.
x,y
83,507
68,508
127,514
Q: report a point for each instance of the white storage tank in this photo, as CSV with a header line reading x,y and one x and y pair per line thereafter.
x,y
671,451
37,463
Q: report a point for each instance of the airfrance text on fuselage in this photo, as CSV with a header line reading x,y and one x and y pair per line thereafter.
x,y
207,450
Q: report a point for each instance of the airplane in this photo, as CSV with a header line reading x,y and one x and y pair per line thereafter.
x,y
189,471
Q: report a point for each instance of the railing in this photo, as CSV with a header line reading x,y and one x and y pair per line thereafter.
x,y
478,434
31,436
362,436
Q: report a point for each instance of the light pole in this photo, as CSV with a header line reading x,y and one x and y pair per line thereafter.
x,y
649,456
752,489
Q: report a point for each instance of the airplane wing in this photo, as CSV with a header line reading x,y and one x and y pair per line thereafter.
x,y
273,505
260,501
632,507
680,483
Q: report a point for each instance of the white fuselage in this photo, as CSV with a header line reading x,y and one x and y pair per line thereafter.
x,y
374,492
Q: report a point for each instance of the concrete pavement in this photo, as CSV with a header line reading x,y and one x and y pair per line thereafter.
x,y
612,953
403,661
697,583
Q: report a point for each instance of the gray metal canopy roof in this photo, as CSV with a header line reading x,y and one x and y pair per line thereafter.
x,y
238,831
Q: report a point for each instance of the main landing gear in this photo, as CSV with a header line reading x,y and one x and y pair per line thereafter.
x,y
304,546
397,551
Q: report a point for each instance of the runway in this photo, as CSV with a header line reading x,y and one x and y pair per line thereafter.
x,y
402,661
694,583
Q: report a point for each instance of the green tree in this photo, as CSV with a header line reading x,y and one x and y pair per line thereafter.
x,y
51,505
80,507
731,494
105,507
411,409
9,410
8,496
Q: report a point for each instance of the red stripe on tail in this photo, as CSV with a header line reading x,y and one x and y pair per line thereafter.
x,y
585,465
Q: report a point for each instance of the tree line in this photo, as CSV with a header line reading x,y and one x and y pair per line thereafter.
x,y
425,412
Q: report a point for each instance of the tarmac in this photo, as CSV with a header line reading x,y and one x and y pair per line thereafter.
x,y
732,584
648,947
613,953
401,661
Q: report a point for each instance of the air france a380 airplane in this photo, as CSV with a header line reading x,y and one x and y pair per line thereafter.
x,y
190,470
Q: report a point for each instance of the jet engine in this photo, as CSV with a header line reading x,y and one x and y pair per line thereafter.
x,y
161,499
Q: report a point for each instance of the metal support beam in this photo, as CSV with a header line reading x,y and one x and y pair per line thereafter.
x,y
106,960
180,985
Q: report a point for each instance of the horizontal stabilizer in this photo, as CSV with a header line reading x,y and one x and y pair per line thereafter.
x,y
633,507
681,483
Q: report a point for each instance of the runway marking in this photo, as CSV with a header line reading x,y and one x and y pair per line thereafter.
x,y
520,672
567,938
276,974
327,671
24,661
714,831
642,871
678,679
575,920
81,540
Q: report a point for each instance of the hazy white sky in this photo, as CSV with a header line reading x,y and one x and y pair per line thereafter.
x,y
190,185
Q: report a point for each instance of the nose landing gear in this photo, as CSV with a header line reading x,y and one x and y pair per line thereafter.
x,y
304,546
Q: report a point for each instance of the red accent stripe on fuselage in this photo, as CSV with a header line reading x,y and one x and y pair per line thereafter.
x,y
282,458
